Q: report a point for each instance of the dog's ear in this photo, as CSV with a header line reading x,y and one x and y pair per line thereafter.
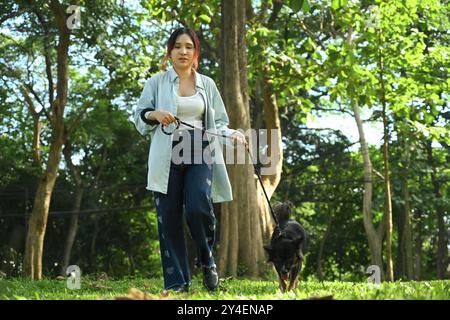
x,y
269,251
289,204
282,211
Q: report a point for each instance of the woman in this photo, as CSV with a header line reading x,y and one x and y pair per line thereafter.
x,y
193,98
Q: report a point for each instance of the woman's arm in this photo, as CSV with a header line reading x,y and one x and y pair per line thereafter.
x,y
146,103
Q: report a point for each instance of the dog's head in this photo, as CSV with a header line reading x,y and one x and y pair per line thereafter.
x,y
284,253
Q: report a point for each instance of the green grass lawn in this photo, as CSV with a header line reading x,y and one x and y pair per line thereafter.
x,y
18,288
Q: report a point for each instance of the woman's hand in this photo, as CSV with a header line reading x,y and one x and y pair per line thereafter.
x,y
163,117
238,137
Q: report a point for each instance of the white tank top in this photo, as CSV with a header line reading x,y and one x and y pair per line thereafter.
x,y
190,110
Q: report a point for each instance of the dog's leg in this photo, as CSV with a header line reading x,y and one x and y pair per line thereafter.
x,y
293,281
282,285
294,275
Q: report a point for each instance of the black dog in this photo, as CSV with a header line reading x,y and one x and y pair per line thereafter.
x,y
287,247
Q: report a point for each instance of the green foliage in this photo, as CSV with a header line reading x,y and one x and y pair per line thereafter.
x,y
230,289
297,5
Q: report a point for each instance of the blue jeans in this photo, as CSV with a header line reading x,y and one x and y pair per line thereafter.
x,y
189,189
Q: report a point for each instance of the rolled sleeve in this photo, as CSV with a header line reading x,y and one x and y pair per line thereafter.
x,y
146,103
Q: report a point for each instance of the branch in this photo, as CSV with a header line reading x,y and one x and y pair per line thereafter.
x,y
11,15
37,125
262,12
36,96
311,35
378,173
336,110
381,227
62,59
277,5
60,16
26,89
205,43
101,166
48,61
67,151
29,102
78,118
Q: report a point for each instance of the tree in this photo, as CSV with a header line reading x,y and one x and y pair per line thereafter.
x,y
39,215
240,226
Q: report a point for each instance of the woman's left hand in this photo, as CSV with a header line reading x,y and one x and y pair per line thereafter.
x,y
238,137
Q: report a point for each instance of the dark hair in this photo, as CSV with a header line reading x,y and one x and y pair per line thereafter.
x,y
171,44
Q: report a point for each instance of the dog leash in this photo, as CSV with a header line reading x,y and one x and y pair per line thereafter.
x,y
177,125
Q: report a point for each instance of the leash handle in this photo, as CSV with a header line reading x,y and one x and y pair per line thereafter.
x,y
177,125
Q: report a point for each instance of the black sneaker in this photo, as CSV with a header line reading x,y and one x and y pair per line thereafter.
x,y
210,278
180,289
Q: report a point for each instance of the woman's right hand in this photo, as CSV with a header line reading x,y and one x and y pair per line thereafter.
x,y
163,117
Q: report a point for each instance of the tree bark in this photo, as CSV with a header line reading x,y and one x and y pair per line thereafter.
x,y
274,150
387,184
407,232
74,216
39,215
399,220
418,246
321,249
442,251
374,236
72,230
37,126
241,230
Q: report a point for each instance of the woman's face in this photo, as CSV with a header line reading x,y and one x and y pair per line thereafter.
x,y
182,54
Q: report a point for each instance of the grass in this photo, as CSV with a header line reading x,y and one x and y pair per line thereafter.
x,y
94,289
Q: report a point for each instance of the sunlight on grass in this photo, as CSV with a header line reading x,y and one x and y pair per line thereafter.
x,y
91,289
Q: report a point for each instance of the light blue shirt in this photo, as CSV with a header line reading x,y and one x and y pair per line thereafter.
x,y
159,94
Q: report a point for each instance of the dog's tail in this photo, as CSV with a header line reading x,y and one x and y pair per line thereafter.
x,y
282,211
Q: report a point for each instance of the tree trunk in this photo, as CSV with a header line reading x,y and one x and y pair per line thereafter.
x,y
321,249
418,247
388,203
13,247
399,220
374,236
274,150
93,266
442,251
405,256
387,184
73,228
37,126
241,227
39,215
77,200
407,232
131,263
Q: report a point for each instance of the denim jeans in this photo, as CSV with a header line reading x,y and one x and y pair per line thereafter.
x,y
189,193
